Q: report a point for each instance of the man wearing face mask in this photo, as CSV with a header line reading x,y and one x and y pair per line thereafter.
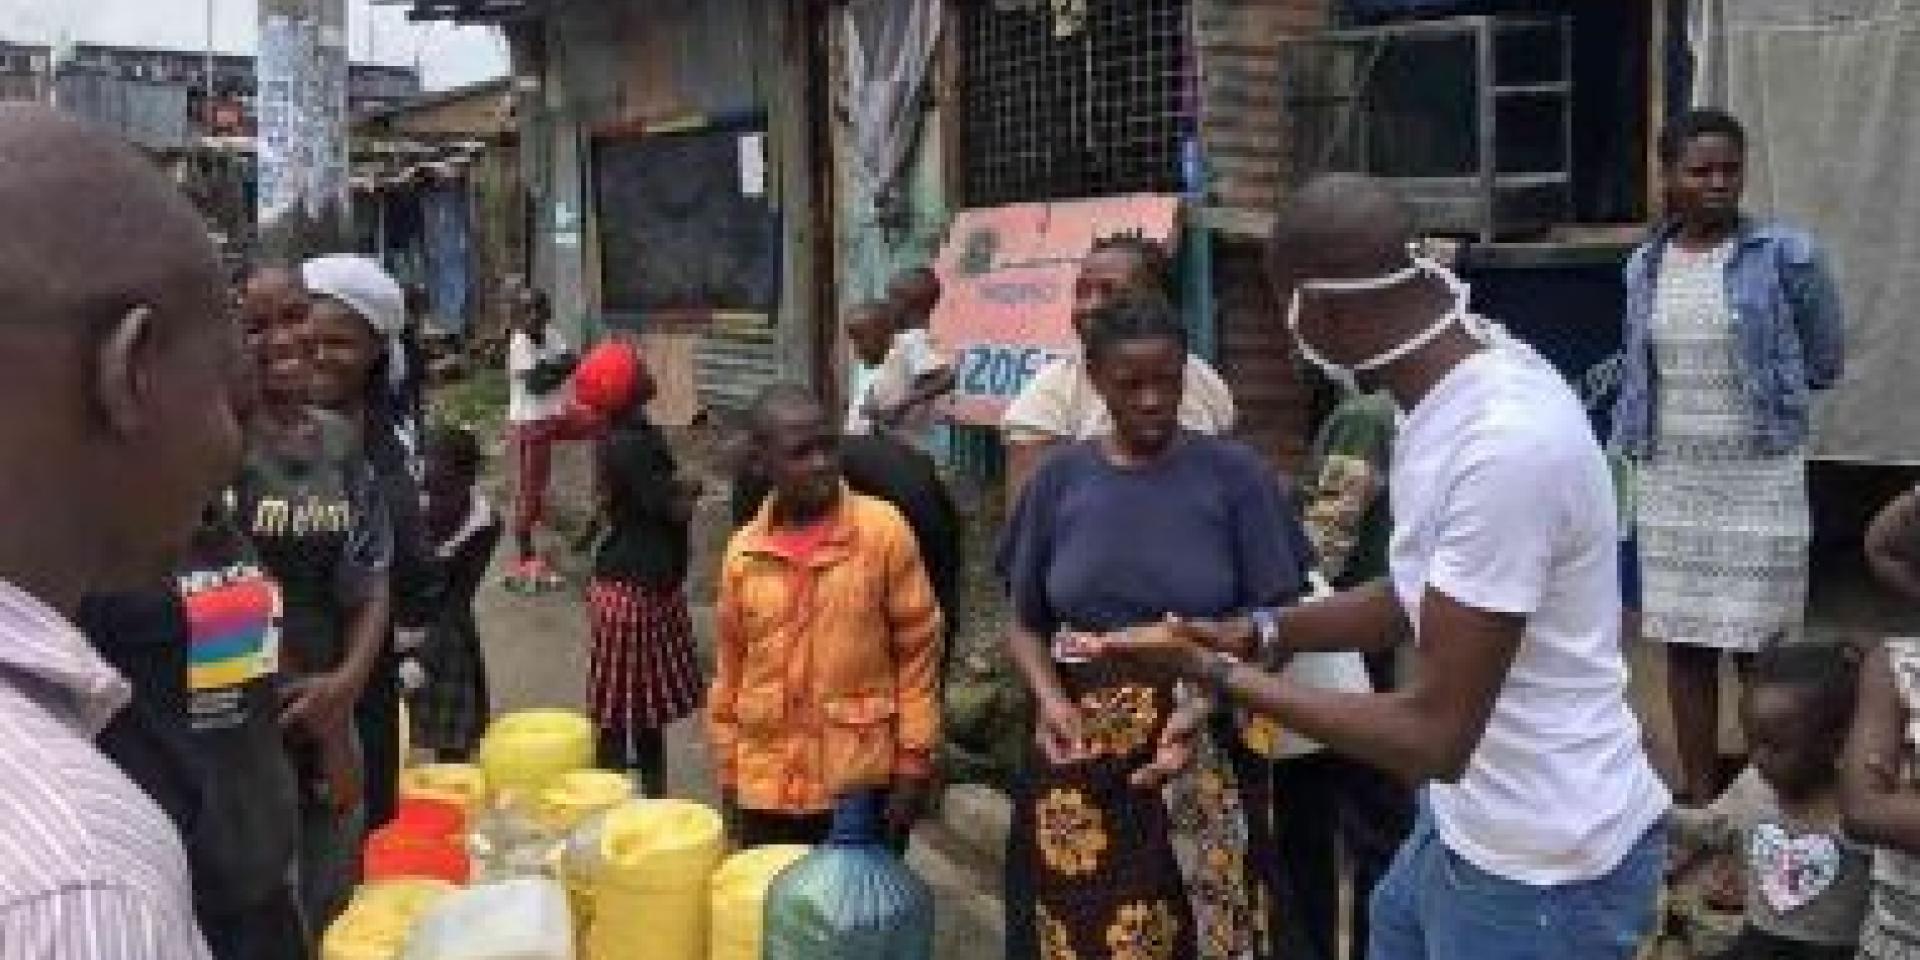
x,y
1540,831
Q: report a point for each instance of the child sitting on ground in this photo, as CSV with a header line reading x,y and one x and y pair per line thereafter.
x,y
1805,877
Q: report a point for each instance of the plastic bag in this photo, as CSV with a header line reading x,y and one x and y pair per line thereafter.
x,y
523,919
850,899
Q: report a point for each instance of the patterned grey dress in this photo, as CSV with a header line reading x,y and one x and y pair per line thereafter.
x,y
1723,527
1892,930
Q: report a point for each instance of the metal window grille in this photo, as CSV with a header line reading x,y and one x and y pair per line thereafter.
x,y
1073,99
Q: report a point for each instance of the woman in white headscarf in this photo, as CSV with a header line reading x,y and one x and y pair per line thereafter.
x,y
358,319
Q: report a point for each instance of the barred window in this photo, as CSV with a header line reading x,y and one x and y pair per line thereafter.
x,y
1073,98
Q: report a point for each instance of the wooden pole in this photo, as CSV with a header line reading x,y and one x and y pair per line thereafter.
x,y
302,115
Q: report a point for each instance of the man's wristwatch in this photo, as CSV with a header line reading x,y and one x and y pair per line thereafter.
x,y
1266,639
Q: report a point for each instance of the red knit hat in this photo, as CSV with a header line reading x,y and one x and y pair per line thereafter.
x,y
608,377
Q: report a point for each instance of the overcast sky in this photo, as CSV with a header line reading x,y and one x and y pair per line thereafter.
x,y
448,55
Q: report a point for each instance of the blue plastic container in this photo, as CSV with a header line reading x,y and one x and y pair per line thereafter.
x,y
850,899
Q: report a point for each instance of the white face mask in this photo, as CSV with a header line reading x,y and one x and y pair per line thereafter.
x,y
1347,377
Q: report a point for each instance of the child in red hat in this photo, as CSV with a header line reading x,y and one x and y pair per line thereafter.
x,y
642,672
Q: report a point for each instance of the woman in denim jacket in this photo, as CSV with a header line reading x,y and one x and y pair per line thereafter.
x,y
1732,324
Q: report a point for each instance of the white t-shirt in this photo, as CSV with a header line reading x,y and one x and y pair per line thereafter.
x,y
523,405
1060,402
912,357
1503,501
863,377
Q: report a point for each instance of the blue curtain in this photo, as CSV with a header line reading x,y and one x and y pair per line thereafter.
x,y
449,255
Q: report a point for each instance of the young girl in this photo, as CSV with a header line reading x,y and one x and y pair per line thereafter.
x,y
1805,875
449,673
642,672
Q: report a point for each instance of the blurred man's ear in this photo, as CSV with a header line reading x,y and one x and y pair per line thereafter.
x,y
123,374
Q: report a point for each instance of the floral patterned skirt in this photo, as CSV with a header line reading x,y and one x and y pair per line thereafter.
x,y
1115,872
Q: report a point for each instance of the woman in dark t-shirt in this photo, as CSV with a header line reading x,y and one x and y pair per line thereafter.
x,y
306,501
642,674
1116,836
358,320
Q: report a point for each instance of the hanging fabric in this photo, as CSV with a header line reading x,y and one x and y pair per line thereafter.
x,y
1825,88
889,48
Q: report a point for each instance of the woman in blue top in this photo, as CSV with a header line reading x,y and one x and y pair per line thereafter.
x,y
1732,324
1105,860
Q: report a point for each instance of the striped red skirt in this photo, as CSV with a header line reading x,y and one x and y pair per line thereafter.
x,y
642,672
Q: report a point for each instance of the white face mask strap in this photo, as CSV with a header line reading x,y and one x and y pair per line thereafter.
x,y
1462,296
1366,284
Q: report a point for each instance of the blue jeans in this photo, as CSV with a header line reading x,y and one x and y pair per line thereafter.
x,y
1434,905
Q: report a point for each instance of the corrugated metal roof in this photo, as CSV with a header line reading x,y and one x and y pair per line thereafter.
x,y
153,115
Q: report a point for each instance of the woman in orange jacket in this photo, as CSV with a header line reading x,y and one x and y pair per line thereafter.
x,y
828,645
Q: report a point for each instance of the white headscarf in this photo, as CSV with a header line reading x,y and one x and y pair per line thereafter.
x,y
361,284
371,292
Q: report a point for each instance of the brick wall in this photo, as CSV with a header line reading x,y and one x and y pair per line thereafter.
x,y
1257,356
1243,128
1241,108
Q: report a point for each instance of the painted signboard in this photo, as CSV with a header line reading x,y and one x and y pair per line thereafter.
x,y
1007,276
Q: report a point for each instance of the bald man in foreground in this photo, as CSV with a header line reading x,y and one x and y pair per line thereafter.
x,y
1540,831
122,363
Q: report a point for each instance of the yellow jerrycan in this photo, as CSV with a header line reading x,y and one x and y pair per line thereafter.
x,y
572,797
523,752
380,918
657,859
739,900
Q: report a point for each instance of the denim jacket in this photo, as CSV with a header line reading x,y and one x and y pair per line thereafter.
x,y
1786,313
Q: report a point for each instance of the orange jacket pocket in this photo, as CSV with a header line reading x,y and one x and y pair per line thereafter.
x,y
859,742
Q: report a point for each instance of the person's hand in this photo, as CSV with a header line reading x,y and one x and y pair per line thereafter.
x,y
906,804
1178,740
319,705
1061,732
340,766
1173,646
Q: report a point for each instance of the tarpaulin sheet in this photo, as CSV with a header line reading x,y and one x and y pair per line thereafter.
x,y
1827,88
